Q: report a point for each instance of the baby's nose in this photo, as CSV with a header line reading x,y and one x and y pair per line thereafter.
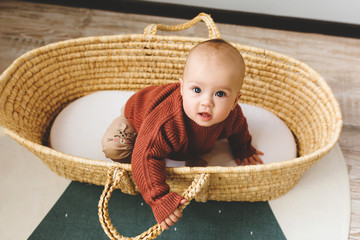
x,y
207,102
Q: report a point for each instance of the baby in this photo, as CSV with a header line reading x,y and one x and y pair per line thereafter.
x,y
182,121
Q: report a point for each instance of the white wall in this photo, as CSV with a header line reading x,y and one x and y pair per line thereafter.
x,y
344,11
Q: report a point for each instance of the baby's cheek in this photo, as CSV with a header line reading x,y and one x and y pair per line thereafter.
x,y
116,139
189,107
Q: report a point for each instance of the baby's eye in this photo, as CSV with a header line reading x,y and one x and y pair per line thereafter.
x,y
197,90
220,94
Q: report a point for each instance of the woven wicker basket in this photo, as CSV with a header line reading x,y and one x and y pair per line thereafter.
x,y
39,84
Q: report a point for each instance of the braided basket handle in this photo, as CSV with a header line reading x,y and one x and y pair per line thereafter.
x,y
213,30
120,178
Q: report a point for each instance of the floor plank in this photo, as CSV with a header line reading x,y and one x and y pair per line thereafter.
x,y
25,26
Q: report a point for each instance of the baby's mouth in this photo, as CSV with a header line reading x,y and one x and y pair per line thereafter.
x,y
205,116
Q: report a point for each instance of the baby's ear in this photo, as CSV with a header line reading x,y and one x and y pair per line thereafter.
x,y
237,99
238,96
181,85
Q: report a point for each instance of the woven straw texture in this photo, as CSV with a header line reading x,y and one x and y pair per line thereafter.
x,y
39,84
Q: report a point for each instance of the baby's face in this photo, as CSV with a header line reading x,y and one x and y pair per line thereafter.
x,y
210,89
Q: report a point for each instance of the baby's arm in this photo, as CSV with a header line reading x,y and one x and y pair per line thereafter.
x,y
240,142
148,166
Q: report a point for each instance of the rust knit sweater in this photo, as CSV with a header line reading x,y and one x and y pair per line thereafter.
x,y
156,113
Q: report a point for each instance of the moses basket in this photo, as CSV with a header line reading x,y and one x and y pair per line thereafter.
x,y
39,84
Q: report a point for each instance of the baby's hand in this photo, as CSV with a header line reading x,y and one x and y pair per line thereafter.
x,y
252,160
173,217
196,163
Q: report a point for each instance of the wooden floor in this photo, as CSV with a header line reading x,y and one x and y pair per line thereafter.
x,y
25,26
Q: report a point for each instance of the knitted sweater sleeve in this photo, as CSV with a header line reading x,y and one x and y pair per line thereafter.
x,y
153,144
240,138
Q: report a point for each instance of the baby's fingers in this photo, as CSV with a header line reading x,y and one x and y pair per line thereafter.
x,y
173,218
168,222
164,224
239,162
177,213
246,161
252,160
259,152
258,159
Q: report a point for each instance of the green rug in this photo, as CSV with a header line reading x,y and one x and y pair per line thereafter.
x,y
74,216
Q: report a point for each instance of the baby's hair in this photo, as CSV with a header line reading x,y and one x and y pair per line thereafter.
x,y
217,43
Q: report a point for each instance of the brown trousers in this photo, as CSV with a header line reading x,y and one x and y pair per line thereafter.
x,y
118,140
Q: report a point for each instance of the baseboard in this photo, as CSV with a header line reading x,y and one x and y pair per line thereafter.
x,y
220,16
